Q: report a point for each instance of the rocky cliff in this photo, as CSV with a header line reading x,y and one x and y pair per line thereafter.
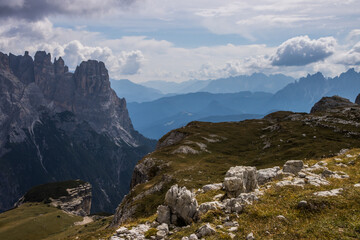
x,y
57,125
72,196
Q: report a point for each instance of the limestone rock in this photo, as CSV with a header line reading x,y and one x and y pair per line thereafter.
x,y
330,193
211,187
240,179
193,237
185,150
182,203
293,166
163,214
267,174
250,236
143,171
205,230
207,206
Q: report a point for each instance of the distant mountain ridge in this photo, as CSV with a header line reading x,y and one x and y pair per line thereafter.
x,y
56,126
257,82
172,112
133,92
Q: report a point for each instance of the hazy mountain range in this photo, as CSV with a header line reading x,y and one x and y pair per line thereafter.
x,y
157,117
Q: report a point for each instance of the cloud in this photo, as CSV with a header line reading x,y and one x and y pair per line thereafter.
x,y
38,9
124,63
351,57
300,51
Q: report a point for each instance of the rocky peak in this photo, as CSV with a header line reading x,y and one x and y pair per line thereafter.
x,y
357,100
92,77
59,66
22,67
328,103
4,62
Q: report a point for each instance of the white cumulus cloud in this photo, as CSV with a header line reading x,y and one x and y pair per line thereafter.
x,y
302,50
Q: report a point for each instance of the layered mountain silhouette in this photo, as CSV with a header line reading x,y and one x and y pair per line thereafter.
x,y
157,117
57,125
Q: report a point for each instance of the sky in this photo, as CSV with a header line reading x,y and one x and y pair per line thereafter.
x,y
143,40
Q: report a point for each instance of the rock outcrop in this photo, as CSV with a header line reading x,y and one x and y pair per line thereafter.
x,y
71,196
183,205
329,103
357,100
240,179
60,125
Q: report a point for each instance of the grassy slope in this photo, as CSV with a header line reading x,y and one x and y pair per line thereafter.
x,y
331,217
242,143
34,221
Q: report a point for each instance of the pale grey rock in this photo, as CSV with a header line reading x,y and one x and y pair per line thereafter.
x,y
211,187
185,150
281,217
207,206
205,230
299,182
233,229
293,166
161,234
236,205
331,193
250,236
122,230
163,227
163,214
240,179
267,174
182,203
193,237
184,238
357,185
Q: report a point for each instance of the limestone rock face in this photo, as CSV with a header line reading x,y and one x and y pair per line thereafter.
x,y
329,103
163,214
240,179
293,166
60,125
182,203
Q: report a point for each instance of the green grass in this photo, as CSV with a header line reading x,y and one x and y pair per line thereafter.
x,y
35,221
243,143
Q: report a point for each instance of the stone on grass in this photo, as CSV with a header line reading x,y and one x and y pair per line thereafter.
x,y
205,230
267,174
293,166
330,193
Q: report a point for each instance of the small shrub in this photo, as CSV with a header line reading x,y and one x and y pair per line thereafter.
x,y
151,232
